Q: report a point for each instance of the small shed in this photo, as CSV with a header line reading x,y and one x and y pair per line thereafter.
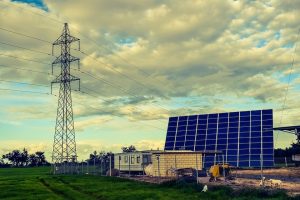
x,y
165,163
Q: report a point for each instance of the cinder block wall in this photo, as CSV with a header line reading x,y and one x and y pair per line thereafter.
x,y
169,162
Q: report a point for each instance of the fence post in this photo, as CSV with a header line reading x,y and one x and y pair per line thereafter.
x,y
215,159
285,161
119,166
223,167
94,166
175,162
87,167
158,167
109,165
196,168
261,170
101,169
129,160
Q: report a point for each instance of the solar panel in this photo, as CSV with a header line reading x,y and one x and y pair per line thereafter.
x,y
245,138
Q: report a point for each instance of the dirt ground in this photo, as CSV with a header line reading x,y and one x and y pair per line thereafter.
x,y
290,178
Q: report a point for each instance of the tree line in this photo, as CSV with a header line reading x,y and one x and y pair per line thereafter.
x,y
21,158
17,158
103,157
287,152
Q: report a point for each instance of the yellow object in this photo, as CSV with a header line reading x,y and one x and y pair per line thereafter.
x,y
218,170
215,171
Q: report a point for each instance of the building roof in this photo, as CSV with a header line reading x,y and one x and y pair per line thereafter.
x,y
186,151
135,152
170,152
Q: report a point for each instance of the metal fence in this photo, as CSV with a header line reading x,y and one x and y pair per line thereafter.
x,y
283,162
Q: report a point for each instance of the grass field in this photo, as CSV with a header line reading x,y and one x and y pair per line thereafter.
x,y
37,183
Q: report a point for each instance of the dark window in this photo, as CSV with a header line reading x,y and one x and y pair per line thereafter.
x,y
138,159
132,160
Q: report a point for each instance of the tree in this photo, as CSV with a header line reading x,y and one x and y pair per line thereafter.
x,y
131,148
41,159
101,160
24,159
14,157
33,160
287,152
94,158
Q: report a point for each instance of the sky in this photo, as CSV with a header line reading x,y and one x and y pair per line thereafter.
x,y
142,62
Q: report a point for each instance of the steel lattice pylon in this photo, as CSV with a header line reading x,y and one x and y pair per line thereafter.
x,y
64,156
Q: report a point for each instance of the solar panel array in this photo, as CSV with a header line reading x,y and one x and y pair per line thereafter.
x,y
245,138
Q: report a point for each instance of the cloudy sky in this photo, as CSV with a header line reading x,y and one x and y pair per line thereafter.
x,y
143,61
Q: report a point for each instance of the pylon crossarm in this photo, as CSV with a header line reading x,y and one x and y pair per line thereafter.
x,y
62,40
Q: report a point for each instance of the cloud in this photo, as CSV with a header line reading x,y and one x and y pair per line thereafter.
x,y
82,124
141,57
261,85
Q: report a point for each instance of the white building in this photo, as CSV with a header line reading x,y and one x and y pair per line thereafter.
x,y
132,161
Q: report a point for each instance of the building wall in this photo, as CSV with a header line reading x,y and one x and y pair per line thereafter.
x,y
170,161
130,161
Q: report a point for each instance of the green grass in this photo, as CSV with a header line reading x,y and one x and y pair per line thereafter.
x,y
37,183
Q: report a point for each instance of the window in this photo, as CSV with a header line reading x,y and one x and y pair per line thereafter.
x,y
146,159
138,159
132,160
126,159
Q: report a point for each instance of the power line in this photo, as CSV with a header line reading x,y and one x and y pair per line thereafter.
x,y
46,93
117,86
126,77
24,69
74,90
53,19
113,113
122,58
28,36
97,45
93,76
290,74
97,60
24,91
119,72
23,83
48,86
115,70
289,81
26,48
19,58
110,102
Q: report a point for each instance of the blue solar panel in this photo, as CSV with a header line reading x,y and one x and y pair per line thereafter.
x,y
245,138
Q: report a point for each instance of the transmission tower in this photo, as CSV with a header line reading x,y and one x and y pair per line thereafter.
x,y
64,156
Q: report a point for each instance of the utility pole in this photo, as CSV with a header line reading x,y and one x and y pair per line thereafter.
x,y
64,154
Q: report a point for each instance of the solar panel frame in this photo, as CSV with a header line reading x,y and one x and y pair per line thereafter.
x,y
241,136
